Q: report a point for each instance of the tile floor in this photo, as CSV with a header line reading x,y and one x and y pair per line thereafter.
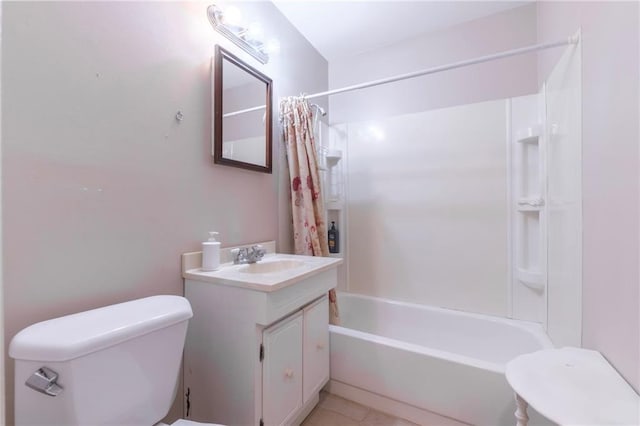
x,y
335,411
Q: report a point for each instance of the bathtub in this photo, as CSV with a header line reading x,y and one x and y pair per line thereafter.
x,y
427,364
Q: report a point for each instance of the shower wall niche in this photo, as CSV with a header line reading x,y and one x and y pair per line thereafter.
x,y
330,144
546,203
528,213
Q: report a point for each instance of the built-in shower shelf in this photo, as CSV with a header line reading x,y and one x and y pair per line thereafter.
x,y
334,204
333,155
528,139
531,278
529,209
532,204
529,134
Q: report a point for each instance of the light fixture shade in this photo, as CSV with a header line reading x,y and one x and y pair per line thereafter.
x,y
237,33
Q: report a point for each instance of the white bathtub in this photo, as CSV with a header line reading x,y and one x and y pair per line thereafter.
x,y
428,360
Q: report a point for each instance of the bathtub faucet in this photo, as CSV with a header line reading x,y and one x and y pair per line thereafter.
x,y
247,254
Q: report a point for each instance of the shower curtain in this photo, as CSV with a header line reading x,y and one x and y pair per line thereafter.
x,y
309,227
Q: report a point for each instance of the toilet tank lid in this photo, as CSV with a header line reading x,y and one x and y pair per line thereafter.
x,y
72,336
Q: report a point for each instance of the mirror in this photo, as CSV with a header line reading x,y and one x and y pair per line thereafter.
x,y
241,114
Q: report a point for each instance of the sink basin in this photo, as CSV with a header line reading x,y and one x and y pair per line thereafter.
x,y
275,272
270,266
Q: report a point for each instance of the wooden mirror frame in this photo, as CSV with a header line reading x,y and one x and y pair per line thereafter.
x,y
221,55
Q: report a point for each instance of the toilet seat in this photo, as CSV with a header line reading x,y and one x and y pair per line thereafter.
x,y
183,422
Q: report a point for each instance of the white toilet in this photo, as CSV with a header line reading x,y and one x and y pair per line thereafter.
x,y
116,365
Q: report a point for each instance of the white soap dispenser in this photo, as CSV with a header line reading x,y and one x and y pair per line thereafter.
x,y
211,253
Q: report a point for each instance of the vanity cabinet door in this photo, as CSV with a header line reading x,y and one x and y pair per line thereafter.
x,y
282,371
316,347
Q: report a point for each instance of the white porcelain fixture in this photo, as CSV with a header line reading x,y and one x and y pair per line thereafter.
x,y
115,365
275,272
257,349
572,386
269,266
428,364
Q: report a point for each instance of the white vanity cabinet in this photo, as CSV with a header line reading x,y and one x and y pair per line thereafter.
x,y
295,363
256,357
282,371
315,348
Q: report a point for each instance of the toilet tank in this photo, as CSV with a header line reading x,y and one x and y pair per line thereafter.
x,y
116,365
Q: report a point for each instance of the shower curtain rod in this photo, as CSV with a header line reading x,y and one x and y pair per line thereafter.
x,y
570,40
454,65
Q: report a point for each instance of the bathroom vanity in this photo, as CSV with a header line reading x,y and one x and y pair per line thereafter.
x,y
257,348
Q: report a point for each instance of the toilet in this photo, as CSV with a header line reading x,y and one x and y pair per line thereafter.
x,y
116,365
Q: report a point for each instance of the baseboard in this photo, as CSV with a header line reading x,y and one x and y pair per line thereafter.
x,y
390,406
308,408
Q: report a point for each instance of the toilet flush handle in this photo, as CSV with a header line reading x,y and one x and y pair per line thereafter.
x,y
44,381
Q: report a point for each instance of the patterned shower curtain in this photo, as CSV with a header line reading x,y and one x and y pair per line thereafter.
x,y
309,227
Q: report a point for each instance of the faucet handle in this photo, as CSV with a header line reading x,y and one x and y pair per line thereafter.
x,y
258,250
235,254
247,254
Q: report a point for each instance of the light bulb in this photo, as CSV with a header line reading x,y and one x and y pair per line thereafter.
x,y
273,46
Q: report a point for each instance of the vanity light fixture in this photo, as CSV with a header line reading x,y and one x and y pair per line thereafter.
x,y
248,37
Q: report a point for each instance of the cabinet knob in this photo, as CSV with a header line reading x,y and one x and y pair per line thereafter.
x,y
288,373
320,346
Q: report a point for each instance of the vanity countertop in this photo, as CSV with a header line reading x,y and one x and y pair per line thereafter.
x,y
245,276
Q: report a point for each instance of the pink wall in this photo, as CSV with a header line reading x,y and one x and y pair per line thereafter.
x,y
102,188
493,80
2,332
610,58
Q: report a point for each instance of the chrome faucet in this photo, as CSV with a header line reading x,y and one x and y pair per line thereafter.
x,y
247,254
